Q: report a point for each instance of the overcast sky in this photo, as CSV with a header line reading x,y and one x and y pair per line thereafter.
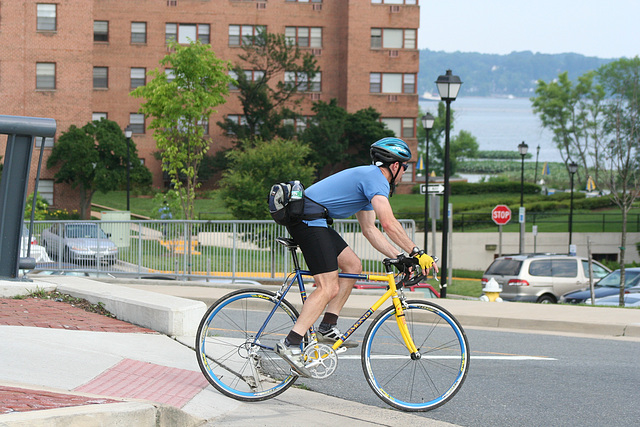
x,y
606,29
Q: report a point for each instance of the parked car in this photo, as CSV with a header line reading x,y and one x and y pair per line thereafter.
x,y
38,252
541,278
631,298
82,242
609,285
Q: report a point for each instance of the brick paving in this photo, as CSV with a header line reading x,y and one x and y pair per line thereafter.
x,y
43,313
15,399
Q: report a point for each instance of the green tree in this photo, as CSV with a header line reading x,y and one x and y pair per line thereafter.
x,y
180,108
572,112
253,170
463,145
620,151
268,107
339,139
94,158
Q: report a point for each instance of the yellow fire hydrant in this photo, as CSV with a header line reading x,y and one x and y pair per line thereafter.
x,y
491,291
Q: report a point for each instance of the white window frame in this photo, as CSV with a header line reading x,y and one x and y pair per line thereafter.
x,y
241,34
46,76
100,78
136,123
48,142
101,30
46,189
96,116
47,17
138,33
138,77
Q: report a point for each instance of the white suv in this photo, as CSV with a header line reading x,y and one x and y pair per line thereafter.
x,y
541,277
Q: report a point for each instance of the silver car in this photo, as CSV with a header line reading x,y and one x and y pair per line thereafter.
x,y
80,243
541,278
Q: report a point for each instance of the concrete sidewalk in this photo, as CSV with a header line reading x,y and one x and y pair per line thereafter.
x,y
89,369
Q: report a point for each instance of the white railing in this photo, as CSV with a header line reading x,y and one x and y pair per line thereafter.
x,y
188,250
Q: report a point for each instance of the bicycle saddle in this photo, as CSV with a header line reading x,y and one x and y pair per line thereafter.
x,y
286,242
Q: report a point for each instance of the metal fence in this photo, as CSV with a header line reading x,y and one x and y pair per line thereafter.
x,y
186,250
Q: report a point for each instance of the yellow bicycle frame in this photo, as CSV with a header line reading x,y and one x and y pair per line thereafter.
x,y
392,292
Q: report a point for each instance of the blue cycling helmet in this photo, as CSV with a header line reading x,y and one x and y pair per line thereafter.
x,y
390,150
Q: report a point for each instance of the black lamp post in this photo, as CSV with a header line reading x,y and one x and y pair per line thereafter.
x,y
448,88
535,176
427,124
127,133
522,148
573,168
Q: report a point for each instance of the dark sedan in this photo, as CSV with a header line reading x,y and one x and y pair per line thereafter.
x,y
608,285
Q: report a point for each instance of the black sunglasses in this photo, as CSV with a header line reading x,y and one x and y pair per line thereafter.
x,y
405,166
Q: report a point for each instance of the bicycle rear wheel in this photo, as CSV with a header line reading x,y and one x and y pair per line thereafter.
x,y
231,355
423,383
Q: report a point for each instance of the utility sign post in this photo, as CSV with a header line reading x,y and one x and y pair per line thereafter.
x,y
501,215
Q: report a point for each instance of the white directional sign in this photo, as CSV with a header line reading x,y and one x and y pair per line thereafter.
x,y
432,188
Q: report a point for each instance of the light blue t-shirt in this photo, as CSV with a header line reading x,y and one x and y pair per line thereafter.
x,y
348,191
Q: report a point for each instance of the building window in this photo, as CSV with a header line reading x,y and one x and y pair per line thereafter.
x,y
100,77
237,119
408,83
401,127
136,123
392,83
251,75
100,31
375,80
394,2
138,77
393,38
45,189
300,124
304,1
48,142
45,75
98,116
170,74
376,38
186,33
46,17
304,36
244,34
138,32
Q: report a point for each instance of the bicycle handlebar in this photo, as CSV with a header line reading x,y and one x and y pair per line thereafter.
x,y
409,267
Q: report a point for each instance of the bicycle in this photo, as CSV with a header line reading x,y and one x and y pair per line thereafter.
x,y
414,355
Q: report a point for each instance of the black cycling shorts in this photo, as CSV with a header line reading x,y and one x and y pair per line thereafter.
x,y
319,245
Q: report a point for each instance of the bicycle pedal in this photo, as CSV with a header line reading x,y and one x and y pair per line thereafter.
x,y
340,350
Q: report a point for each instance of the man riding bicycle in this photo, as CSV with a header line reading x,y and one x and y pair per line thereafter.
x,y
362,191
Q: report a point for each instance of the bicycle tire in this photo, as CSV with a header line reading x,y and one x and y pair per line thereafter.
x,y
227,354
432,379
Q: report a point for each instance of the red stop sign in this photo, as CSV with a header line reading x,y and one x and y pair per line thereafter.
x,y
501,214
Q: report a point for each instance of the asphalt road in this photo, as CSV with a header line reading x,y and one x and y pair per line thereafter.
x,y
525,379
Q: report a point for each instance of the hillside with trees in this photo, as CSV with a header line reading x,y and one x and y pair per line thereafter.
x,y
514,74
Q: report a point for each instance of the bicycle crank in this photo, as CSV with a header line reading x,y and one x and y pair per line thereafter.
x,y
322,360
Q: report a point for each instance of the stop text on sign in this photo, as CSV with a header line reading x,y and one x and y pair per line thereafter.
x,y
501,214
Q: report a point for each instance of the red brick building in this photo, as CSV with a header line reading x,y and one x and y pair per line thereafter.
x,y
77,60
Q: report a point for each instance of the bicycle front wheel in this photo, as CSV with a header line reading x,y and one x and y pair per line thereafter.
x,y
421,383
235,344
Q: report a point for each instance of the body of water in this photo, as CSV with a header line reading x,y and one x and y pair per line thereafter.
x,y
500,124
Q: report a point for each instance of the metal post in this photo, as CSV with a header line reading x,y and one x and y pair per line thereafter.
x,y
14,185
128,178
447,190
426,193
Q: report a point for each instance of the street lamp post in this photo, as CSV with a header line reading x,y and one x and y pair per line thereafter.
x,y
427,124
573,168
127,133
448,88
535,176
522,148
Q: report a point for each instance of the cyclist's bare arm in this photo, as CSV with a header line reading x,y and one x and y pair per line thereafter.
x,y
395,231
